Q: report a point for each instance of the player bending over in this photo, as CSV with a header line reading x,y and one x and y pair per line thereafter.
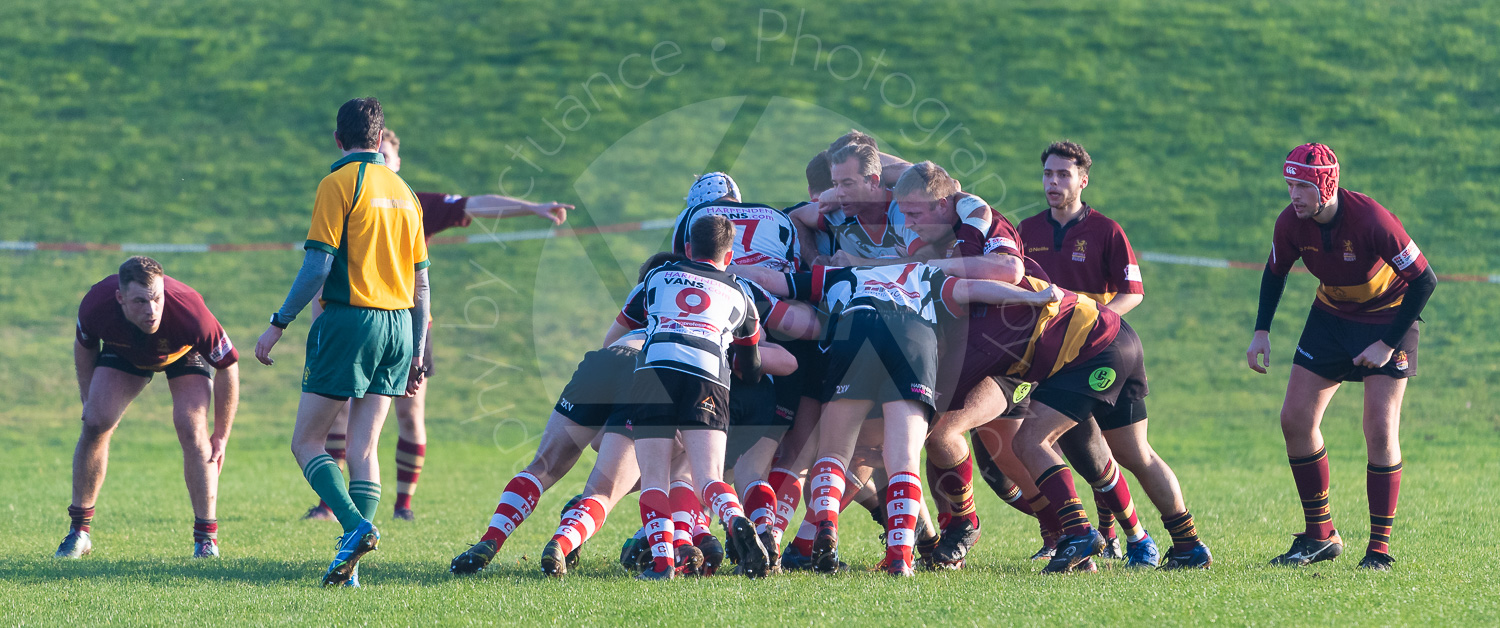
x,y
132,325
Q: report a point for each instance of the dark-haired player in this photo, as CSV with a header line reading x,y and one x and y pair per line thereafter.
x,y
693,312
131,325
367,252
1374,282
440,212
1082,250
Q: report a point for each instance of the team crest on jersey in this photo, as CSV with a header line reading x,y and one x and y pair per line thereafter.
x,y
1348,250
1400,361
163,345
1080,251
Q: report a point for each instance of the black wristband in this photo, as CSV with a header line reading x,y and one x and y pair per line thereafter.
x,y
276,321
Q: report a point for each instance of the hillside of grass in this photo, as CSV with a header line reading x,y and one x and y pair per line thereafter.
x,y
210,121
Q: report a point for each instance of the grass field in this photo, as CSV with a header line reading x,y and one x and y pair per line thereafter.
x,y
209,122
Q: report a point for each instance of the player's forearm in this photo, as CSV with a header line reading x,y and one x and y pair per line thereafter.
x,y
497,206
776,360
774,282
1123,303
316,264
83,366
226,398
420,312
1412,303
1271,287
804,221
996,293
1004,268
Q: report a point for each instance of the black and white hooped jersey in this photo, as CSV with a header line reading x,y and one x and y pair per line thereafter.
x,y
907,288
763,235
885,237
691,312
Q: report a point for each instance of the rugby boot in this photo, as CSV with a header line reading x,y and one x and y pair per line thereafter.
x,y
319,513
713,554
689,560
1307,550
1142,553
753,558
554,563
362,540
1111,548
1196,558
1377,561
1072,550
473,559
206,549
953,546
825,551
76,544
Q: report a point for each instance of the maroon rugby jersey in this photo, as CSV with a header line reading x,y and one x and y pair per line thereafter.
x,y
1363,258
186,325
1089,255
1033,343
443,211
980,231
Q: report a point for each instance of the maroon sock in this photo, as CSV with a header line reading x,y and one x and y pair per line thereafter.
x,y
1383,484
82,517
944,511
1057,484
956,485
1312,477
1014,499
205,530
1184,533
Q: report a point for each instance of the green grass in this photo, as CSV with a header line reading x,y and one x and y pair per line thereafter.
x,y
209,121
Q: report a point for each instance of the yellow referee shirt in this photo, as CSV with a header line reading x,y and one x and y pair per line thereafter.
x,y
371,222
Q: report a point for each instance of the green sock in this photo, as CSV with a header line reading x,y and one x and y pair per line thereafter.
x,y
328,482
366,497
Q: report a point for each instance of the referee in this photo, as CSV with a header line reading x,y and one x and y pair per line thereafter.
x,y
367,252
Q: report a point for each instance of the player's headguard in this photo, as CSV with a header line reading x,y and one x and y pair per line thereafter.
x,y
712,187
1315,164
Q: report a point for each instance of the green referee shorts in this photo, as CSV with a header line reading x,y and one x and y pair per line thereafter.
x,y
352,351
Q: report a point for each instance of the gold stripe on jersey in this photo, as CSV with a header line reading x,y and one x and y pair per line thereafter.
x,y
1085,315
1048,313
1362,293
1101,297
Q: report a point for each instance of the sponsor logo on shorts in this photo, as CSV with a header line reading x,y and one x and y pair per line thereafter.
x,y
565,404
921,389
1022,389
1102,378
1304,353
841,389
1408,256
1400,361
707,405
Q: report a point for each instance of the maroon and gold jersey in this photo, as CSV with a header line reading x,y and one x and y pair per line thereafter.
x,y
980,231
443,211
1363,258
186,325
1089,255
1033,343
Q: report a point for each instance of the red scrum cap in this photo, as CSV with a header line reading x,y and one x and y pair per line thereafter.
x,y
1315,164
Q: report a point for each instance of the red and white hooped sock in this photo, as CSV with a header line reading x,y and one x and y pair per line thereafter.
x,y
721,498
788,487
760,502
827,491
903,502
516,504
580,524
656,515
685,511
